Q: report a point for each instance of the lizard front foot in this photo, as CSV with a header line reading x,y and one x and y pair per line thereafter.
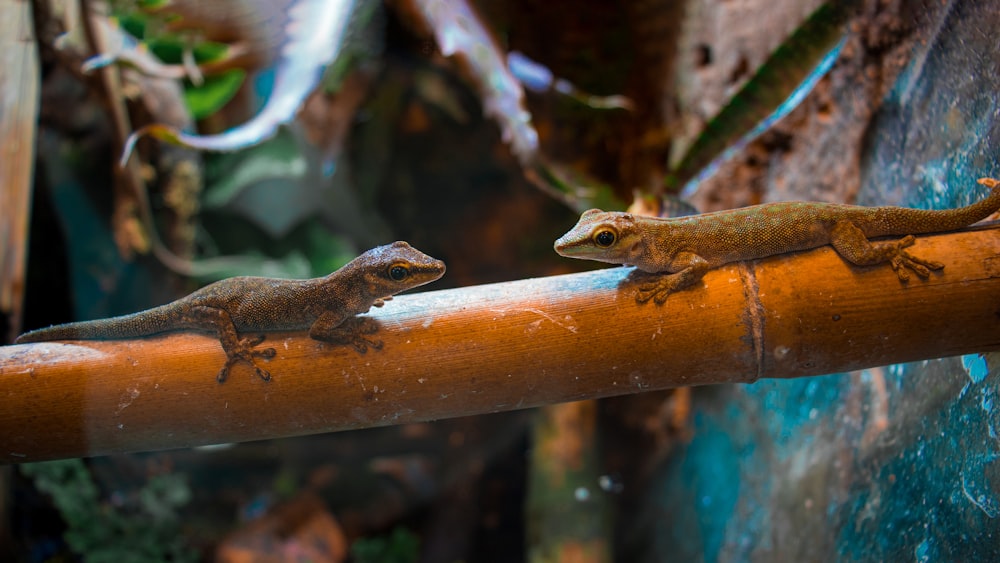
x,y
354,332
655,287
247,354
657,290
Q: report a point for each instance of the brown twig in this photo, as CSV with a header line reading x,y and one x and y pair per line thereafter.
x,y
19,87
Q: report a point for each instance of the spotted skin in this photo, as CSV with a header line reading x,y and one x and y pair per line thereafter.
x,y
683,249
229,308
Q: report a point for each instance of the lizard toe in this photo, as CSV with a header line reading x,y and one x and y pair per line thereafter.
x,y
367,325
251,341
642,296
658,291
900,269
905,261
647,291
362,344
266,353
927,264
263,373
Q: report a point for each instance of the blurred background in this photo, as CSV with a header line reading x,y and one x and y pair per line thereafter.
x,y
478,132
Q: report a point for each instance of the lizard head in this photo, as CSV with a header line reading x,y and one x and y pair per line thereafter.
x,y
397,267
605,236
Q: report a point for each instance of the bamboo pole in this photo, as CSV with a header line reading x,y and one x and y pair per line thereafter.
x,y
505,346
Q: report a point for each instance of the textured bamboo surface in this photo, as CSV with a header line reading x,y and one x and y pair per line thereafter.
x,y
506,346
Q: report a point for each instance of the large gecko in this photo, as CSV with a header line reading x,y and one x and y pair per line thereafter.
x,y
683,249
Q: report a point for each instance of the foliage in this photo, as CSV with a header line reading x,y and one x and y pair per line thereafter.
x,y
215,92
401,546
145,527
202,99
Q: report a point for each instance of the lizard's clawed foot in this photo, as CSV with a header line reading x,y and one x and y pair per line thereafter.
x,y
261,372
655,287
361,344
248,342
265,353
247,354
354,332
903,261
365,326
652,290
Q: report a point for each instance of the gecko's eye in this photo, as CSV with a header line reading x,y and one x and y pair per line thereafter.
x,y
398,272
605,238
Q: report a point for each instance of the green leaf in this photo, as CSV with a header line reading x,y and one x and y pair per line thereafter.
x,y
151,4
402,546
763,99
217,90
170,49
133,24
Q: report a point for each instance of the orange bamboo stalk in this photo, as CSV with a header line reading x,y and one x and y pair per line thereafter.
x,y
505,346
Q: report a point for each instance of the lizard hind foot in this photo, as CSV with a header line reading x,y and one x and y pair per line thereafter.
x,y
247,347
250,354
262,373
901,261
245,353
224,372
266,353
251,341
904,261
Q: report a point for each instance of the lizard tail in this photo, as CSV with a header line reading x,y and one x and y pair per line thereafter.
x,y
144,323
905,221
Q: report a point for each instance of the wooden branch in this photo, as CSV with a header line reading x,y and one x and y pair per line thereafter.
x,y
506,346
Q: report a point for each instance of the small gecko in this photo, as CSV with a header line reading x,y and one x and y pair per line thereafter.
x,y
683,249
229,308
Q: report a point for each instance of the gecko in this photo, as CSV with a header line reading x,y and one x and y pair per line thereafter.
x,y
230,308
679,251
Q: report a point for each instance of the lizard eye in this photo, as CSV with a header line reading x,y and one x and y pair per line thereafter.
x,y
398,273
605,238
